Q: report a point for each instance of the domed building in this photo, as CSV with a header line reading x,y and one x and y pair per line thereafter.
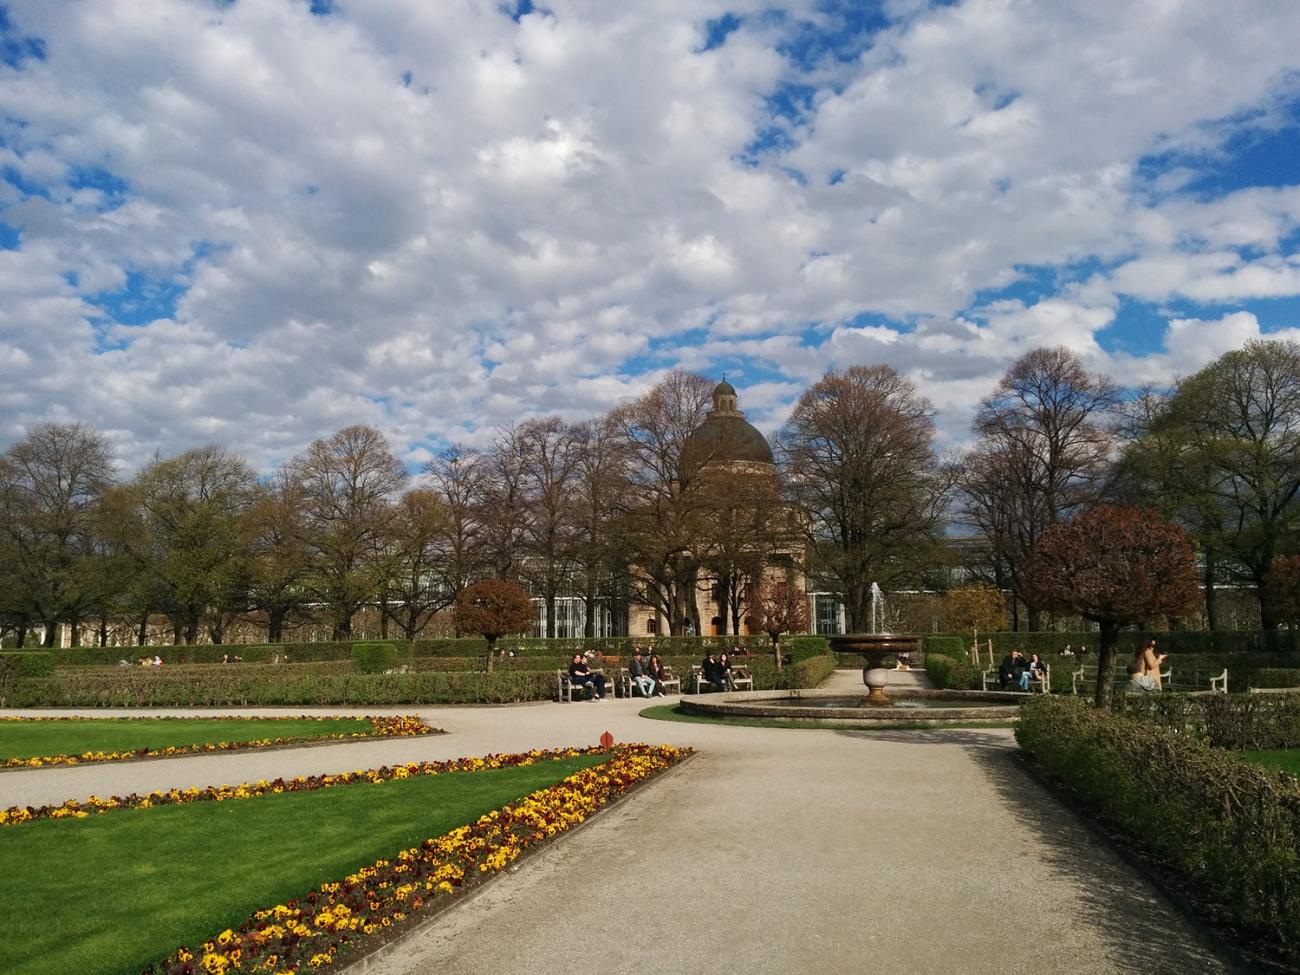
x,y
750,535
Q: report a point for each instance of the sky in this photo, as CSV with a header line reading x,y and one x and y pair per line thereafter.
x,y
254,222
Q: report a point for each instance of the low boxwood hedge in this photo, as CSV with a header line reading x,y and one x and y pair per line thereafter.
x,y
16,664
948,646
1275,677
376,657
1232,829
952,673
1242,722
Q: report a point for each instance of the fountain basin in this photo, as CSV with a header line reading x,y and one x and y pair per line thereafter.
x,y
874,647
913,705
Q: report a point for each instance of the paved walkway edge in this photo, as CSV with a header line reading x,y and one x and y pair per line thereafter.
x,y
366,961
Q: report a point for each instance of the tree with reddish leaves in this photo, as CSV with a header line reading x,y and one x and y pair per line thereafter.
x,y
1117,567
493,608
779,607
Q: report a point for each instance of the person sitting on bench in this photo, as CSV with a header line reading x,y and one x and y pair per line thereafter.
x,y
641,679
713,672
1008,670
580,675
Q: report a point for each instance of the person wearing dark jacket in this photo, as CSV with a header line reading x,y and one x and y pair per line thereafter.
x,y
641,678
713,672
658,672
580,675
1008,670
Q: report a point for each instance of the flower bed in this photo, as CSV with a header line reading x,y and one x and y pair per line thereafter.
x,y
304,783
337,918
382,726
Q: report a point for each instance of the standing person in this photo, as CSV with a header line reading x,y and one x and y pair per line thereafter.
x,y
1150,662
581,675
655,669
641,679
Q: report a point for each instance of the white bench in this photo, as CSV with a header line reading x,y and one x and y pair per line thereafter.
x,y
628,688
565,687
740,677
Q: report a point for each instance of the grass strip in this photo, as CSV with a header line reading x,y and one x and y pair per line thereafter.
x,y
672,712
114,893
1284,760
38,742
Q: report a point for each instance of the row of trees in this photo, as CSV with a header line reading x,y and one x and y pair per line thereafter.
x,y
628,507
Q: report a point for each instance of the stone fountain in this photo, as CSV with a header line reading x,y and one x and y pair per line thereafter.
x,y
874,647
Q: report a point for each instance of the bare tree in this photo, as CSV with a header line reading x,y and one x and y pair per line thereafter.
x,y
600,479
279,576
1044,448
190,533
347,481
457,475
414,586
502,505
50,483
859,459
664,502
549,458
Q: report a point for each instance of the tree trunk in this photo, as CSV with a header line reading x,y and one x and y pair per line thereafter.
x,y
48,641
1035,618
1211,594
275,625
383,618
103,630
491,652
76,631
589,625
192,631
176,633
1108,638
142,633
22,636
776,649
724,603
550,612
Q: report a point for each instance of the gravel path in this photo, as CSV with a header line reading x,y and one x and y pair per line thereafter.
x,y
771,851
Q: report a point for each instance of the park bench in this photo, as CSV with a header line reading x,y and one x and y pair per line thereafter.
x,y
1087,677
989,681
669,684
740,677
566,687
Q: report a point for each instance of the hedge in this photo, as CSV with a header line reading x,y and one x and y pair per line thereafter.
x,y
952,673
334,682
376,657
1230,828
1173,641
948,646
236,687
1242,722
796,646
16,664
1275,677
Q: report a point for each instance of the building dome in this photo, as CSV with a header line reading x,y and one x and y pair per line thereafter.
x,y
725,436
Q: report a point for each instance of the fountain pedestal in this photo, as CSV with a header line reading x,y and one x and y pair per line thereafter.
x,y
874,647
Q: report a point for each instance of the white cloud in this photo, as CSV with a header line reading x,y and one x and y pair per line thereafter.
x,y
434,219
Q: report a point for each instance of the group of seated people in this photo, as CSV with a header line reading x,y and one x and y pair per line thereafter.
x,y
647,675
716,669
1015,671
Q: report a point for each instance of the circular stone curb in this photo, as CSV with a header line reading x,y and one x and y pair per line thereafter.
x,y
759,704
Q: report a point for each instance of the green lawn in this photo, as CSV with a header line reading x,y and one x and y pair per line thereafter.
x,y
671,712
34,739
115,892
1286,761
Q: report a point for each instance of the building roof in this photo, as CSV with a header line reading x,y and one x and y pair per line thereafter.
x,y
726,436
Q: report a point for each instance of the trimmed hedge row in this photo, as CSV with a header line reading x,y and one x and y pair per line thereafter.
x,y
797,646
332,682
1274,677
1231,828
16,664
952,673
1241,722
948,646
1171,641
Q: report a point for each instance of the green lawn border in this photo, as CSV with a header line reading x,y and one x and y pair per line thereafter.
x,y
197,751
670,712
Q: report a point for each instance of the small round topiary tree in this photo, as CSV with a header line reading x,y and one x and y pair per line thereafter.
x,y
493,608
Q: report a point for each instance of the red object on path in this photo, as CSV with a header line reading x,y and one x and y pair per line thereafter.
x,y
606,740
